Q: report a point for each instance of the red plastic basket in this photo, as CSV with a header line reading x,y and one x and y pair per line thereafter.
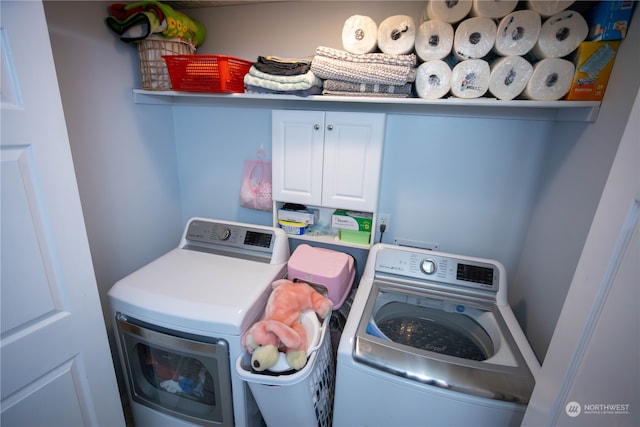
x,y
207,73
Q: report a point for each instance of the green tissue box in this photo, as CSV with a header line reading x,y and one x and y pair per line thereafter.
x,y
352,236
352,220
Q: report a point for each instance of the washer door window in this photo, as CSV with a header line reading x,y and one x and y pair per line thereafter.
x,y
440,339
184,376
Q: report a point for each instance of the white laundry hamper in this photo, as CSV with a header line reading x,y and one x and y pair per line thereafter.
x,y
302,398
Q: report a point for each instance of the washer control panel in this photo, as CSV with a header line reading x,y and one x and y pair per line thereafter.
x,y
438,267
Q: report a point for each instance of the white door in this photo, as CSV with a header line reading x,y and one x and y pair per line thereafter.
x,y
591,374
297,142
352,160
56,367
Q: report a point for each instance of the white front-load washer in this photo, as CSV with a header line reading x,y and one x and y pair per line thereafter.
x,y
431,340
179,322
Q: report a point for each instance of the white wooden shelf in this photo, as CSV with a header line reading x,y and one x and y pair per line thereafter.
x,y
580,111
330,240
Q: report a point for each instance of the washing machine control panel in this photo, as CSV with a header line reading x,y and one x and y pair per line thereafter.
x,y
438,267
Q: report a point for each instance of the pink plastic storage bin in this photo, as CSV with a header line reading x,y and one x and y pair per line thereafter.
x,y
319,266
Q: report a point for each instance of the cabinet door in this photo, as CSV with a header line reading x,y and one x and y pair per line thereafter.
x,y
352,160
297,139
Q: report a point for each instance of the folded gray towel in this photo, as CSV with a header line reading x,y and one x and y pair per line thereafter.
x,y
364,88
368,58
336,69
362,94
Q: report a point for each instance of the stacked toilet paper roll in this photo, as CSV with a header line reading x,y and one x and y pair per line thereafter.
x,y
550,80
493,9
560,35
397,35
446,10
548,8
434,40
360,34
470,78
509,76
518,33
474,38
433,79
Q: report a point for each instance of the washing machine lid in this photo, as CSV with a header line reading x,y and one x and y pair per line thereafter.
x,y
455,342
217,280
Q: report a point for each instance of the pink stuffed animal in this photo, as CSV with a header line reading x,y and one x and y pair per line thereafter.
x,y
281,327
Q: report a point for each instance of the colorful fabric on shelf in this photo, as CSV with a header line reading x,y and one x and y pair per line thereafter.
x,y
137,21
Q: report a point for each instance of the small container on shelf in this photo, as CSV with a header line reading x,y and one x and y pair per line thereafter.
x,y
154,74
293,227
207,73
353,236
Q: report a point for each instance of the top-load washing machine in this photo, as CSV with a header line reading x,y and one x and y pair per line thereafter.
x,y
179,322
431,340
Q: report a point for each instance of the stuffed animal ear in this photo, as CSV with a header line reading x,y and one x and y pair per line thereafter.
x,y
287,335
258,335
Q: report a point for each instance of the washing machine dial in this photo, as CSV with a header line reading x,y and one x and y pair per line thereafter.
x,y
428,266
224,233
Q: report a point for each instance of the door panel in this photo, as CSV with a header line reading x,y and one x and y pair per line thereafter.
x,y
58,386
297,144
55,359
24,262
352,160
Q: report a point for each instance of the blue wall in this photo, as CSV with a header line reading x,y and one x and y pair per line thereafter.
x,y
465,183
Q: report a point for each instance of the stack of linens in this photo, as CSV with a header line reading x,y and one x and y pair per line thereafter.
x,y
270,74
367,74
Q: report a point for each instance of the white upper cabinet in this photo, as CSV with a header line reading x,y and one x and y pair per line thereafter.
x,y
328,159
297,143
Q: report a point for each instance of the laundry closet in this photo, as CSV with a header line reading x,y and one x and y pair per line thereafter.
x,y
515,183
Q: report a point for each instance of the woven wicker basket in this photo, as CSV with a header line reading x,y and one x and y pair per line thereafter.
x,y
153,68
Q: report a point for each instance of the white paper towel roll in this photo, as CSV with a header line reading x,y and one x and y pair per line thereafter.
x,y
560,35
474,38
434,40
470,78
509,76
433,79
397,35
551,79
547,8
447,11
359,34
518,33
493,9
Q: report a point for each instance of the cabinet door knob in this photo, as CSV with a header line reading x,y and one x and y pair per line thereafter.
x,y
330,127
316,127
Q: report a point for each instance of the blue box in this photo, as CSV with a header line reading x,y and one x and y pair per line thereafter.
x,y
609,20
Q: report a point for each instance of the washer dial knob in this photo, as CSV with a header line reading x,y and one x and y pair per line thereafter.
x,y
428,266
224,233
